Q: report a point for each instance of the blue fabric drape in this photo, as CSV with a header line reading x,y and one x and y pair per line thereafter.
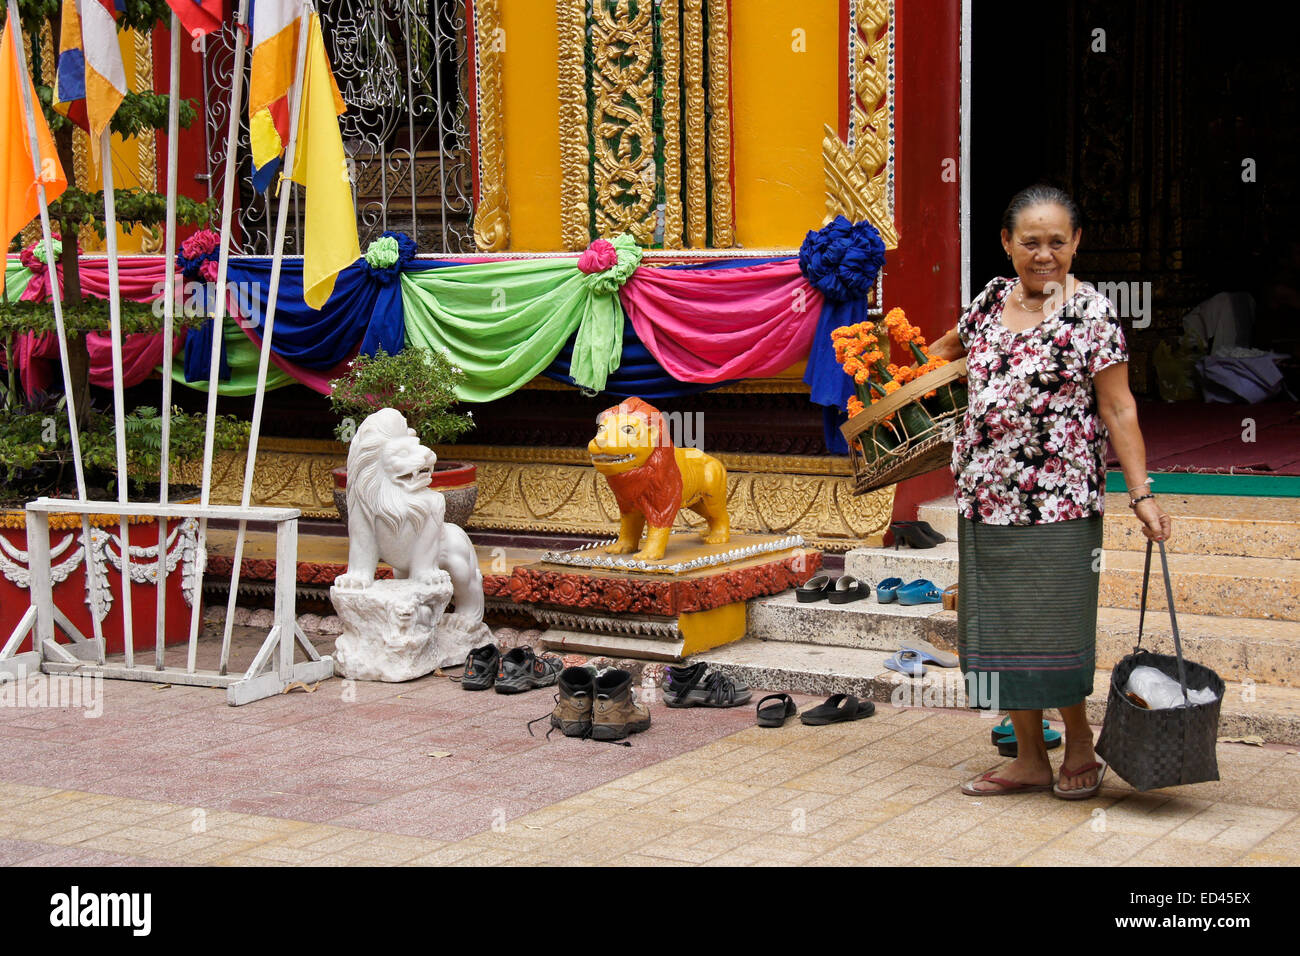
x,y
638,374
198,341
829,385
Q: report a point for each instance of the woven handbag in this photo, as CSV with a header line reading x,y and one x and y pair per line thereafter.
x,y
1161,748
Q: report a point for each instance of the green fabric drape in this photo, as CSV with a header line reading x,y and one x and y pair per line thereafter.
x,y
17,276
504,322
242,357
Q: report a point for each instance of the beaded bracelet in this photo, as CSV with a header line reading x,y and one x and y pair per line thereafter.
x,y
1134,502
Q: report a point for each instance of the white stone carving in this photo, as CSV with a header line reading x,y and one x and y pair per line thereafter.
x,y
389,628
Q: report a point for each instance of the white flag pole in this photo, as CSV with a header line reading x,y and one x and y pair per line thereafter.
x,y
268,329
169,313
218,318
119,399
56,298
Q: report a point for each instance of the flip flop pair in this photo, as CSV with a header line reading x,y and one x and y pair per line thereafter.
x,y
1004,738
838,708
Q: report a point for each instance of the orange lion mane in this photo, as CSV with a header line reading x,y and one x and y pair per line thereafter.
x,y
654,488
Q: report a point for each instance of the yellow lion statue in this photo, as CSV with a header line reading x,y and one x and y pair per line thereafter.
x,y
652,480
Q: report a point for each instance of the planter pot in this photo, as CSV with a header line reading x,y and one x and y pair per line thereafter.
x,y
68,571
457,480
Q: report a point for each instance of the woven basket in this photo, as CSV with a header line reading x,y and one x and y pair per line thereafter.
x,y
919,437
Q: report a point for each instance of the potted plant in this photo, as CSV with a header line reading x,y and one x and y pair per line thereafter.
x,y
421,384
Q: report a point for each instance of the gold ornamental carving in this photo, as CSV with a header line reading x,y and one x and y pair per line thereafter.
x,y
492,216
575,215
697,182
671,46
857,175
724,218
623,160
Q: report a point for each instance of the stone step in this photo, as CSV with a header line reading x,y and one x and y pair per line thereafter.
x,y
861,624
1203,524
1271,712
1266,588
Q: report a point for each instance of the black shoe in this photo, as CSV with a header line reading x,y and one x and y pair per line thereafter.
x,y
522,670
906,531
696,686
924,527
481,668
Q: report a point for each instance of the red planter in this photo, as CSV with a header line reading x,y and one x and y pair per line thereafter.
x,y
457,480
70,592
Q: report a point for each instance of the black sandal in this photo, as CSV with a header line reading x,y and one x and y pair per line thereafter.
x,y
775,715
848,588
697,686
837,709
814,589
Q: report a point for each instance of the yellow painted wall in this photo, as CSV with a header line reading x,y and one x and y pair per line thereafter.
x,y
781,100
530,80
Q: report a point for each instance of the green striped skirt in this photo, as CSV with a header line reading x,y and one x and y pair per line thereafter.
x,y
1027,611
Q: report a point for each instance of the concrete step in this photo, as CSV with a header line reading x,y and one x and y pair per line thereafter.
x,y
1270,712
1238,649
1266,588
862,624
1203,524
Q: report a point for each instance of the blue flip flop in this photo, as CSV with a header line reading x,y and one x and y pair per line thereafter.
x,y
1004,729
887,590
920,591
907,662
930,654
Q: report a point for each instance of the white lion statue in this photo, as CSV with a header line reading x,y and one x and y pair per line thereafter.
x,y
395,517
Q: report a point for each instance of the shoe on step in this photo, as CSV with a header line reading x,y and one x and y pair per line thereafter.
x,y
572,714
614,714
522,670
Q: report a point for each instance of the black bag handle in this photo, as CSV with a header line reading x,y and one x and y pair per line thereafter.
x,y
1173,617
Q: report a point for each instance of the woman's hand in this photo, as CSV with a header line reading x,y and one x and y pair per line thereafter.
x,y
948,346
1156,525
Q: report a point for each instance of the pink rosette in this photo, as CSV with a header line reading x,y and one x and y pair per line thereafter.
x,y
600,255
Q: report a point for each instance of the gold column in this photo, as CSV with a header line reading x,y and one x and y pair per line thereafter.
x,y
575,217
672,66
492,216
724,223
697,186
152,239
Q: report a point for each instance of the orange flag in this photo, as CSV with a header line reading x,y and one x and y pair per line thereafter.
x,y
18,203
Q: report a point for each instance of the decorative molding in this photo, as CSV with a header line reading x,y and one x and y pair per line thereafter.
x,y
720,191
492,214
858,172
575,213
622,118
671,51
697,183
594,556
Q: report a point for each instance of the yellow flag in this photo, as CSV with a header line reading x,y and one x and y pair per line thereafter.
x,y
320,165
18,203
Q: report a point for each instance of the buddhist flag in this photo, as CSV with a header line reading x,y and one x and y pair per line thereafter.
x,y
321,166
275,57
18,202
91,81
198,17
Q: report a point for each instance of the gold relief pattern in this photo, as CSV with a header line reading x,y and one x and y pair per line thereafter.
x,y
492,215
622,48
151,240
575,217
697,184
857,177
283,478
671,46
724,225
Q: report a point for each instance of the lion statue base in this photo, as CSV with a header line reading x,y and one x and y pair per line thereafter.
x,y
395,517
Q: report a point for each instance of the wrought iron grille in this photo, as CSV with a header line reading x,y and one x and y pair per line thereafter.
x,y
402,67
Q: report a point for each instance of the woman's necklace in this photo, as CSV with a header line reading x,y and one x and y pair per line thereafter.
x,y
1020,297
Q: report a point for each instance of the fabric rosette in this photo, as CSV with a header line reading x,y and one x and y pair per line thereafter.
x,y
842,259
33,257
608,264
198,254
387,256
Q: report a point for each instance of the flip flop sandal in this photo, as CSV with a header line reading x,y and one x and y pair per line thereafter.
x,y
1009,747
1006,787
775,715
815,588
930,654
1082,793
887,590
837,709
848,588
1005,729
907,662
920,591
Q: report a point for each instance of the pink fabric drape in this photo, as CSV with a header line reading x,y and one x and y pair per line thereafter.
x,y
709,325
315,379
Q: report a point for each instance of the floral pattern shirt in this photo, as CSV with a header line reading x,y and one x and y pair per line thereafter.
x,y
1031,447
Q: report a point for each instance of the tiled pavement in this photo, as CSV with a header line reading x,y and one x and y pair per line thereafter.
x,y
426,773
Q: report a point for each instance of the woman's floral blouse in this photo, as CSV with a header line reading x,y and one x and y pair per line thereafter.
x,y
1031,448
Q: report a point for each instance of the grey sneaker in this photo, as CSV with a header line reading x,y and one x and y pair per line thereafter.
x,y
522,670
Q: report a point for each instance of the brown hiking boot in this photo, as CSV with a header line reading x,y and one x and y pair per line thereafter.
x,y
614,713
572,714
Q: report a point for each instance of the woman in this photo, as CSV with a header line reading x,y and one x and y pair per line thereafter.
x,y
1048,380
